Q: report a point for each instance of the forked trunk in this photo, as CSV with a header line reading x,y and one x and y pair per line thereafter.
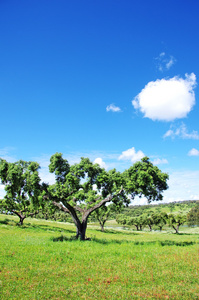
x,y
137,227
81,230
22,218
102,227
176,228
102,224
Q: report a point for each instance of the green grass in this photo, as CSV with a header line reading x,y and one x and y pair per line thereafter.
x,y
116,264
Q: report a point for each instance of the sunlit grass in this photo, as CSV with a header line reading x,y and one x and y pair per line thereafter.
x,y
34,264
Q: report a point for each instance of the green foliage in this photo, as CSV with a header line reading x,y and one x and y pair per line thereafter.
x,y
22,186
85,187
193,216
176,221
121,219
105,212
145,179
159,219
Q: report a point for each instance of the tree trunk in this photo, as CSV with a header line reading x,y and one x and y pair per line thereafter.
x,y
21,220
102,227
81,230
176,228
102,224
21,217
150,227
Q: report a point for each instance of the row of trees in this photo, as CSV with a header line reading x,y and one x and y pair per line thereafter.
x,y
156,219
79,190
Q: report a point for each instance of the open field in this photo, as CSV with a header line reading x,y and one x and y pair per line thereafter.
x,y
116,264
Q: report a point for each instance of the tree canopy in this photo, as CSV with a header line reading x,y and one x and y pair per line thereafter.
x,y
82,188
22,186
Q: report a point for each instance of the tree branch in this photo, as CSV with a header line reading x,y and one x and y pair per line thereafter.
x,y
98,205
61,206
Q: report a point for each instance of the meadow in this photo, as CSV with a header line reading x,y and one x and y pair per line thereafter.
x,y
41,260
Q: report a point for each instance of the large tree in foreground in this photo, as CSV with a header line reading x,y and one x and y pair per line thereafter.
x,y
22,187
83,188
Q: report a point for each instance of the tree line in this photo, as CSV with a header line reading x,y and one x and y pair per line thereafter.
x,y
156,219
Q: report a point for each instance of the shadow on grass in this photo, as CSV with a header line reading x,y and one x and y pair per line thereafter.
x,y
63,238
174,243
8,222
112,231
38,227
5,221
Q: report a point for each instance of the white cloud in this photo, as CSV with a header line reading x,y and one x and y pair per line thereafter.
x,y
167,99
159,161
113,108
131,155
193,152
44,173
5,154
164,62
170,63
182,132
183,185
100,162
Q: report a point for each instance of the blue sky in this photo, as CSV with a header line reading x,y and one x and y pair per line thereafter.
x,y
109,80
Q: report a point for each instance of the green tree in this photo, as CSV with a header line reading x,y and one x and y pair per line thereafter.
x,y
143,178
160,219
176,221
136,221
121,219
193,216
83,188
148,220
104,212
22,186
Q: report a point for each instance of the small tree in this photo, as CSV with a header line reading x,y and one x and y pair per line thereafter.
x,y
138,222
148,220
159,219
121,219
176,221
104,212
22,186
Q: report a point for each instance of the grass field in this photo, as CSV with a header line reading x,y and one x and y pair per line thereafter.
x,y
116,264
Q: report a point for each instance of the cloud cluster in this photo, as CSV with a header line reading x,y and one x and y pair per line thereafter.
x,y
113,108
100,162
164,62
131,155
159,161
181,132
167,99
193,152
183,185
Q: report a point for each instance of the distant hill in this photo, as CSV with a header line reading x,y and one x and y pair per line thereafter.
x,y
173,207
